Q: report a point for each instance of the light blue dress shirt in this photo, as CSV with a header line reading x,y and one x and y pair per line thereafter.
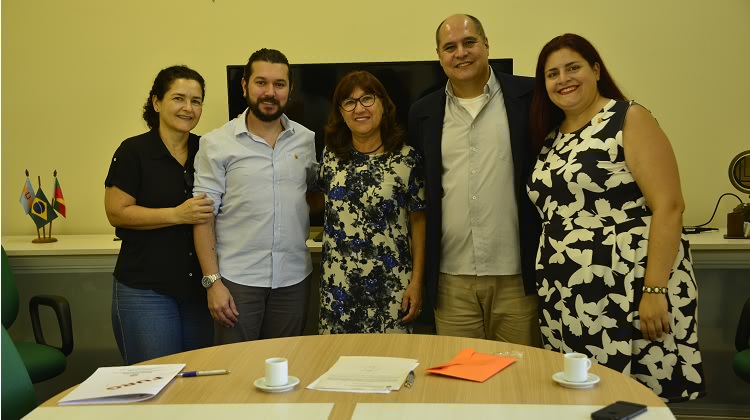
x,y
262,216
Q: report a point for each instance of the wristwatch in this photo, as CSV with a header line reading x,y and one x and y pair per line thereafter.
x,y
208,281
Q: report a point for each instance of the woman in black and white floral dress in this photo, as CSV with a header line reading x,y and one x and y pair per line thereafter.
x,y
614,274
373,237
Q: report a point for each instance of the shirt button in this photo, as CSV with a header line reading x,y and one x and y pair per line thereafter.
x,y
185,191
190,253
190,274
473,149
474,197
473,171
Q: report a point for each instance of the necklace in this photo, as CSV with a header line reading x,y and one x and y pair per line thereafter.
x,y
371,151
177,151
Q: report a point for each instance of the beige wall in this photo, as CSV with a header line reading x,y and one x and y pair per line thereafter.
x,y
75,73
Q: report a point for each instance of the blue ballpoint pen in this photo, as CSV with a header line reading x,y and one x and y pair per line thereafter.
x,y
204,373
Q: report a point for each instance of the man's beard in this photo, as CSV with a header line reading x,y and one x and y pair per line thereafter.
x,y
255,109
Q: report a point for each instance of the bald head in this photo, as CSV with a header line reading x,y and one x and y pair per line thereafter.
x,y
460,18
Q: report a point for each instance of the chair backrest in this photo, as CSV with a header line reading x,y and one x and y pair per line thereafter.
x,y
18,396
9,292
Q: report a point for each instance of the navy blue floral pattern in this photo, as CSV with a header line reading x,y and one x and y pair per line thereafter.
x,y
592,258
366,259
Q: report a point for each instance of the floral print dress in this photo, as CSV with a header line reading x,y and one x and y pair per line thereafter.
x,y
366,259
591,262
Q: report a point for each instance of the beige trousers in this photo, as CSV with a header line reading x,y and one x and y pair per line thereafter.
x,y
488,307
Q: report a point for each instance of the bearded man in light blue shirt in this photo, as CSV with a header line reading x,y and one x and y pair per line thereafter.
x,y
257,168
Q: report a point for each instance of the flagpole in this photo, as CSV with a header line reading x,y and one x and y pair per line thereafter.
x,y
37,229
43,238
39,183
54,175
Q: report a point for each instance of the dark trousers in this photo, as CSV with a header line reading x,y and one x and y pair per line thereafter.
x,y
265,312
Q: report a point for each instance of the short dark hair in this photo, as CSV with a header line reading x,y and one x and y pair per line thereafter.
x,y
161,86
338,136
544,114
268,55
477,23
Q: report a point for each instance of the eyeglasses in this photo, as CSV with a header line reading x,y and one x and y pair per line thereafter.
x,y
350,103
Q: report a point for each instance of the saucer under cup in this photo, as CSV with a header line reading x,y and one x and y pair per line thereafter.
x,y
590,381
261,384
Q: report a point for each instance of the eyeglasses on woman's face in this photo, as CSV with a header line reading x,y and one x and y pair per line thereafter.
x,y
349,104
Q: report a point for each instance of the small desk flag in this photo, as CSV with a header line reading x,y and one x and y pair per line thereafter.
x,y
27,196
40,210
58,202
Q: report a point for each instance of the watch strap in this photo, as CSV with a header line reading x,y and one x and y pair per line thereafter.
x,y
213,277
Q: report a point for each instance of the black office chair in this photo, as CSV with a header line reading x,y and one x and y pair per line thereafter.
x,y
741,362
43,361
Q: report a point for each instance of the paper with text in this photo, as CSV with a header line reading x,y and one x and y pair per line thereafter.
x,y
122,384
365,374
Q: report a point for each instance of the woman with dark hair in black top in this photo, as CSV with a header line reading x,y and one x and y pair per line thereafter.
x,y
158,304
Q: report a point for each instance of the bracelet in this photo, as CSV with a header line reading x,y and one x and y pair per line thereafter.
x,y
649,289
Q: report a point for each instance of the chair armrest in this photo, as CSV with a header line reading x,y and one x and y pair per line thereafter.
x,y
62,310
742,338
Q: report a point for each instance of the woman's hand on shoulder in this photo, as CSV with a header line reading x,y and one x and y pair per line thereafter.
x,y
194,211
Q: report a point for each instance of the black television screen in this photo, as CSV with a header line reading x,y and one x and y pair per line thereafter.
x,y
310,101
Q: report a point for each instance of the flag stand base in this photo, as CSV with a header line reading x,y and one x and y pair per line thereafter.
x,y
45,240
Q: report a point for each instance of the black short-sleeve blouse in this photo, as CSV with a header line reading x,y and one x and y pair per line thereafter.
x,y
164,259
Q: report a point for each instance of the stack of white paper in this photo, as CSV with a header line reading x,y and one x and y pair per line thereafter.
x,y
122,384
365,374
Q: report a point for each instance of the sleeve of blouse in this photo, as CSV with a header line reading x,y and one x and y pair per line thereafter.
x,y
416,182
125,169
319,184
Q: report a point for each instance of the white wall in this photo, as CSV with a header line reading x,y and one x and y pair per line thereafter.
x,y
75,74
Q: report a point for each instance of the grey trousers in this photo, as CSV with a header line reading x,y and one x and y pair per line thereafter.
x,y
265,312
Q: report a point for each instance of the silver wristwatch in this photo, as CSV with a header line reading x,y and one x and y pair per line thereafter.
x,y
209,280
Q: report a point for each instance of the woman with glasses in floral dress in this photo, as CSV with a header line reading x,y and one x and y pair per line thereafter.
x,y
374,224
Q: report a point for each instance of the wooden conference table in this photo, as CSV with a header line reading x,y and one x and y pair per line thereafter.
x,y
527,381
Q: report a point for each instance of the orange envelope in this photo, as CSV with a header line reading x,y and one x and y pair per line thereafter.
x,y
473,366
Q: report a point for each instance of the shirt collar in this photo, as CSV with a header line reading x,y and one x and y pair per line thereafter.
x,y
156,148
491,88
241,128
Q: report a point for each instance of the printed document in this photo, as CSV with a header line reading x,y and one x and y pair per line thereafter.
x,y
365,374
122,384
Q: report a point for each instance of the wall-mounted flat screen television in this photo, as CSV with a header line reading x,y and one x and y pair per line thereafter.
x,y
405,81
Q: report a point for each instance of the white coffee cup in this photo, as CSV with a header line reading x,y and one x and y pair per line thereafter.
x,y
277,371
577,367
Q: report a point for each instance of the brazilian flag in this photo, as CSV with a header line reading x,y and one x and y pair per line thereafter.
x,y
41,211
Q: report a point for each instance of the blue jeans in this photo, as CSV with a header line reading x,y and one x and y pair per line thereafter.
x,y
148,324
